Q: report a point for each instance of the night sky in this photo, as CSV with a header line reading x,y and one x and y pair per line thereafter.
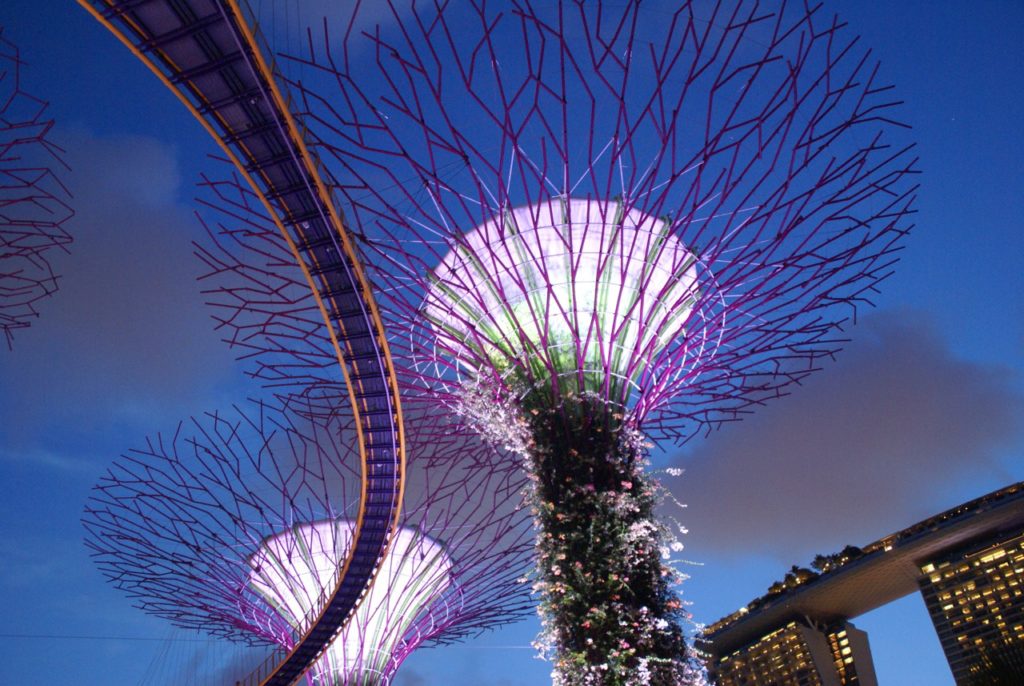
x,y
923,410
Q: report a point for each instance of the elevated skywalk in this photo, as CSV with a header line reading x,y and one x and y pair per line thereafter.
x,y
209,53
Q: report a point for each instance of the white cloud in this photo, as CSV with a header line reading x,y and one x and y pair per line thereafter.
x,y
127,333
39,457
856,453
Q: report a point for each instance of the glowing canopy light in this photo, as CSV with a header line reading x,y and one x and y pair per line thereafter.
x,y
295,568
564,286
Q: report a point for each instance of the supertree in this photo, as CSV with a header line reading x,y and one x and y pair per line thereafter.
x,y
239,525
593,227
33,201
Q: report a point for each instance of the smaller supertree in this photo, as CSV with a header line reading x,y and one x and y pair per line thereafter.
x,y
239,526
33,202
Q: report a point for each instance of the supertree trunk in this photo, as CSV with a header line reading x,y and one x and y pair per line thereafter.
x,y
611,614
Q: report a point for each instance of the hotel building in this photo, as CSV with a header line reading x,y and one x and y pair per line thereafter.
x,y
976,599
967,562
800,655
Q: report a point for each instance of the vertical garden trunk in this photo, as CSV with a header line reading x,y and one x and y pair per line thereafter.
x,y
610,615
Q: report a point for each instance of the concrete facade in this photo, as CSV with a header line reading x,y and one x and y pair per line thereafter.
x,y
975,596
798,654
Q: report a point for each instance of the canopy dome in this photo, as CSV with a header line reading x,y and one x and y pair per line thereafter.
x,y
567,287
295,568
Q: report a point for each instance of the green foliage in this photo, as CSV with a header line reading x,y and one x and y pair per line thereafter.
x,y
611,617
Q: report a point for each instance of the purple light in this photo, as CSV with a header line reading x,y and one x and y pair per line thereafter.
x,y
234,525
763,143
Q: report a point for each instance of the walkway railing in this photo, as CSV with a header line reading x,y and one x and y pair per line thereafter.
x,y
210,54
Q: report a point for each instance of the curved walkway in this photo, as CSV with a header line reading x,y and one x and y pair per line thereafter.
x,y
208,53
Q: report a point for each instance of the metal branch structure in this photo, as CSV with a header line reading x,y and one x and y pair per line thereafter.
x,y
33,201
236,525
594,224
208,52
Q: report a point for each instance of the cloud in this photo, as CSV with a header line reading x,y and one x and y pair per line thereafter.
x,y
850,456
408,677
217,662
127,332
30,560
39,457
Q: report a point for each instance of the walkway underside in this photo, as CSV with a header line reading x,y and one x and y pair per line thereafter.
x,y
207,52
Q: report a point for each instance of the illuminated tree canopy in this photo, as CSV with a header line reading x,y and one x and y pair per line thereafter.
x,y
236,525
588,227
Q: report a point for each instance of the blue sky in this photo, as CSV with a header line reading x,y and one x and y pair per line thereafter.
x,y
923,410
